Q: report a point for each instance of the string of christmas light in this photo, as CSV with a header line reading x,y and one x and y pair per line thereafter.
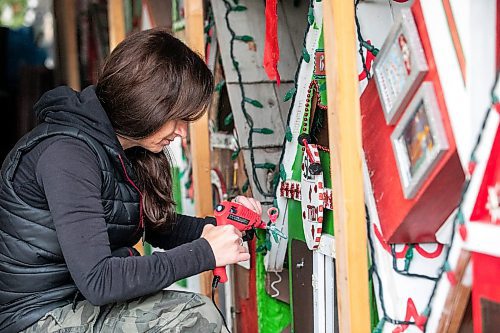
x,y
408,259
265,244
247,100
458,222
373,269
363,43
459,219
292,94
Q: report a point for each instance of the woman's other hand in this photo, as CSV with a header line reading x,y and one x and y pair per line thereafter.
x,y
226,243
250,203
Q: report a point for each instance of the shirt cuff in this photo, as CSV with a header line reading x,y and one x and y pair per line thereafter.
x,y
191,258
210,220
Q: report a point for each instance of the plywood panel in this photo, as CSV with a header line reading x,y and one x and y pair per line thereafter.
x,y
283,106
269,116
296,22
278,285
250,55
301,265
263,175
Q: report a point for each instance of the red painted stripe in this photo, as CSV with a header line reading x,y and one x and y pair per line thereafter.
x,y
430,255
401,254
411,312
378,234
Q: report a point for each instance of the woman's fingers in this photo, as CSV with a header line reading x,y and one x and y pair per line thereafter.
x,y
243,257
226,244
232,229
206,229
250,203
257,205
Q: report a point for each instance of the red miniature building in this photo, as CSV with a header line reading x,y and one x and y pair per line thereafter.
x,y
414,220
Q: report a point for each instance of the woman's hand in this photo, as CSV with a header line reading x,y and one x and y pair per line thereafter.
x,y
226,243
250,203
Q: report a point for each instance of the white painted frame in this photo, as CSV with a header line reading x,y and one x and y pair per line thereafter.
x,y
411,183
393,105
323,282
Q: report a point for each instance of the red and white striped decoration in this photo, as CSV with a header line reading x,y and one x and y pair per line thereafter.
x,y
312,194
290,189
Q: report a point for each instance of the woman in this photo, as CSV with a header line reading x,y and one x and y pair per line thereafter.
x,y
89,182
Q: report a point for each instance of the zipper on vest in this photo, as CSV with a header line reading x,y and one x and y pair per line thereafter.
x,y
141,216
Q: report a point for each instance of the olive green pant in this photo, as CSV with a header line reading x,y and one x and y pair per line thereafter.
x,y
166,311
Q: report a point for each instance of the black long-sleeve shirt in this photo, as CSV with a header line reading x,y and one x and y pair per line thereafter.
x,y
64,173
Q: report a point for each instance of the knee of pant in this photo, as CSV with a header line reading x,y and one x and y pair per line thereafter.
x,y
210,311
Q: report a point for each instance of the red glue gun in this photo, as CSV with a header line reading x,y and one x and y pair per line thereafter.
x,y
243,218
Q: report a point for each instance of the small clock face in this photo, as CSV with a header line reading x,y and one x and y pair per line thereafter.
x,y
312,193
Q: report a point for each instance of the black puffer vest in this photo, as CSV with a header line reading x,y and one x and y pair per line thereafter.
x,y
34,278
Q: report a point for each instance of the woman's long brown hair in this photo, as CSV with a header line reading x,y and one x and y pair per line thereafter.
x,y
150,78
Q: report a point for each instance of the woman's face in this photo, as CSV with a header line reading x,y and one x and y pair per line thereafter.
x,y
166,134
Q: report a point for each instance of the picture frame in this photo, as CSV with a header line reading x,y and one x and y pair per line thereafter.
x,y
400,66
419,140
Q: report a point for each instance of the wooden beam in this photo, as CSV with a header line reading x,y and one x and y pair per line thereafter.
x,y
65,14
457,299
200,148
344,126
116,23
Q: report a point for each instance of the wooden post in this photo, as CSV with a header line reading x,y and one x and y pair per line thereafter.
x,y
457,299
200,149
344,126
116,23
65,14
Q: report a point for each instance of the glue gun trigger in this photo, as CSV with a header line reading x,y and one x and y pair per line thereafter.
x,y
249,234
